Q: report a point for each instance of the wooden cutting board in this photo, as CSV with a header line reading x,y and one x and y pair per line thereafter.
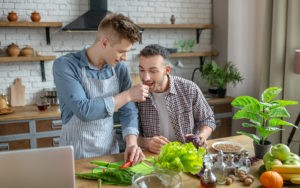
x,y
17,91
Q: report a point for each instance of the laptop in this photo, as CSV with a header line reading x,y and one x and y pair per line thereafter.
x,y
38,168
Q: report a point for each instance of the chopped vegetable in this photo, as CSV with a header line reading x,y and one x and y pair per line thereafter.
x,y
126,164
180,157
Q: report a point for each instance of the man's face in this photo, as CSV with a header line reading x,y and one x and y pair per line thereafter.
x,y
154,73
117,52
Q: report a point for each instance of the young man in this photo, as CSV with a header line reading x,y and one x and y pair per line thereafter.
x,y
93,84
175,108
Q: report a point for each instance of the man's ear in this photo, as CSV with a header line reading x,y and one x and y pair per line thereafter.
x,y
104,42
168,69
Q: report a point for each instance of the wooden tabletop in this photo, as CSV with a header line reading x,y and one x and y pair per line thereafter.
x,y
189,181
31,112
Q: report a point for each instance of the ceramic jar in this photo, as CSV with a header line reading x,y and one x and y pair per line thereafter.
x,y
172,19
13,50
27,51
35,16
12,16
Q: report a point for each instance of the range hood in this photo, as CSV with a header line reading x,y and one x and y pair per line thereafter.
x,y
90,20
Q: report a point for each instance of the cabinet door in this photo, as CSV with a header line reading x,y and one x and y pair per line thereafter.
x,y
46,128
223,118
14,136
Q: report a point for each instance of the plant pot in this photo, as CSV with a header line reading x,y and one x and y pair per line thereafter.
x,y
221,93
213,91
261,150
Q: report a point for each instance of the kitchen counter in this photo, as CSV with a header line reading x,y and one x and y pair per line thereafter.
x,y
189,181
31,112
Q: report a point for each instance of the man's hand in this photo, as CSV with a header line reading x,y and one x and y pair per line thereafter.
x,y
198,141
156,143
134,154
139,92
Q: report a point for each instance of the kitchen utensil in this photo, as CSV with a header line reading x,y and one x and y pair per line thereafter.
x,y
17,93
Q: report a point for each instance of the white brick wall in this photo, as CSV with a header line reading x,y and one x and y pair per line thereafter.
x,y
140,11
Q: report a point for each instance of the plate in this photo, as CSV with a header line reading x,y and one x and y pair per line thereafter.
x,y
227,147
6,111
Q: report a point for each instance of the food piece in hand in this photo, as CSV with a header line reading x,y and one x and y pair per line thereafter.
x,y
194,139
126,164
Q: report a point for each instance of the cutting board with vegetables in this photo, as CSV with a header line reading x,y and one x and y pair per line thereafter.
x,y
17,93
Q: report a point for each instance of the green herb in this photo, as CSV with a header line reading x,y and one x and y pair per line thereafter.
x,y
110,176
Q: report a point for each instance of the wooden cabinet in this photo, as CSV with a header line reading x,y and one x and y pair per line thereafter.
x,y
223,116
27,134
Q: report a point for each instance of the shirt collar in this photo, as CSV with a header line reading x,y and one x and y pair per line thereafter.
x,y
172,85
84,62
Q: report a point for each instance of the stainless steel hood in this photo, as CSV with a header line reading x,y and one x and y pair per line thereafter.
x,y
90,20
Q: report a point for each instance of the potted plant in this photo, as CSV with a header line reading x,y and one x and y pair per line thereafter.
x,y
218,77
265,116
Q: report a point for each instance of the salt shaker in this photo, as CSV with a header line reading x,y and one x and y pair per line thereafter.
x,y
231,166
244,162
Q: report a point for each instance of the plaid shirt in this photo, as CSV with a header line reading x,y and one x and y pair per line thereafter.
x,y
188,110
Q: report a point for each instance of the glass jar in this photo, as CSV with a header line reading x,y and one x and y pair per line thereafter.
x,y
244,162
231,167
219,169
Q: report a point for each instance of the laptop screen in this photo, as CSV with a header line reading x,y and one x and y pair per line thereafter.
x,y
38,168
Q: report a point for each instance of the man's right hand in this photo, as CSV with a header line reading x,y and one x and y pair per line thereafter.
x,y
139,92
156,143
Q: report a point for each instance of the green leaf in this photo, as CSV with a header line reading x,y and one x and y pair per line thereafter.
x,y
284,102
267,131
278,122
248,125
279,112
241,114
243,101
270,94
255,138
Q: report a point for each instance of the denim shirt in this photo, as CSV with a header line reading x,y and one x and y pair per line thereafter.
x,y
72,97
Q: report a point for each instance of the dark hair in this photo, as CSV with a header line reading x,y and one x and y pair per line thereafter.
x,y
155,49
120,25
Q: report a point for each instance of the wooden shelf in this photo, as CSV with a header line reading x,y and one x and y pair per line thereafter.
x,y
26,59
41,59
30,24
199,28
194,54
46,25
176,26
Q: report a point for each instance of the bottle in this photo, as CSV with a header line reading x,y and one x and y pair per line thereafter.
x,y
208,179
231,167
219,169
172,19
244,162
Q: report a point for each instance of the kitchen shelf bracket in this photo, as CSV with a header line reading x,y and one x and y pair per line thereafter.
x,y
198,33
202,59
48,35
42,63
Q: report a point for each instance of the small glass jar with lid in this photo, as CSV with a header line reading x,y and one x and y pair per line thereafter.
x,y
231,166
244,162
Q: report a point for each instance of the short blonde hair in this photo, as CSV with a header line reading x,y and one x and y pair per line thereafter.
x,y
117,27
